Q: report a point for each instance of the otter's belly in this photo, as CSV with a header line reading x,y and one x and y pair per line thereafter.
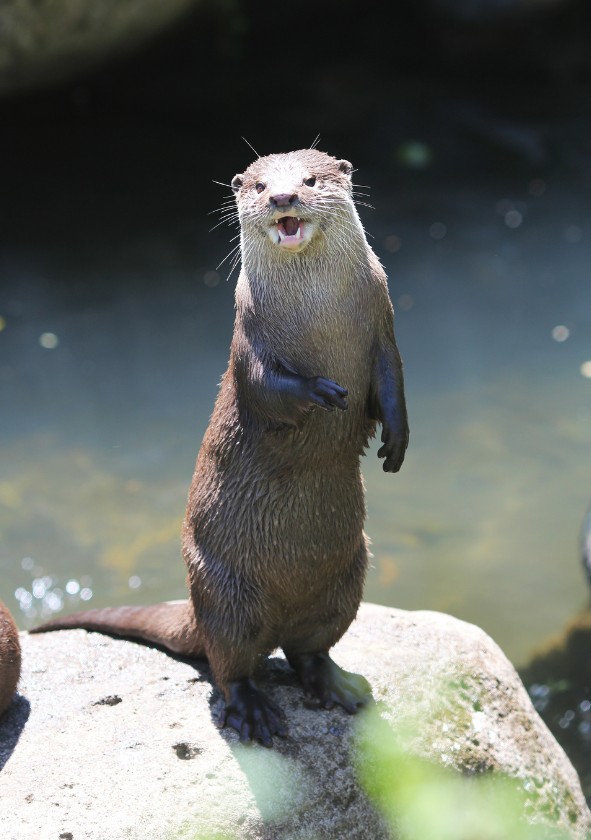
x,y
270,514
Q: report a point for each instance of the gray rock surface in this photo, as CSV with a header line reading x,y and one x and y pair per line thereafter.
x,y
45,41
111,739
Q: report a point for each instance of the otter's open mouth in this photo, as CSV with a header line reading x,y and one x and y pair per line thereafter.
x,y
290,231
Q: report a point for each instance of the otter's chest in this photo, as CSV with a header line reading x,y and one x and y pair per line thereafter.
x,y
322,334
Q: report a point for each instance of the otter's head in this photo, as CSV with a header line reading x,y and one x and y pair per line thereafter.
x,y
289,198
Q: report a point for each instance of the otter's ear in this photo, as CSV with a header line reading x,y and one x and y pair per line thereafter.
x,y
237,182
345,166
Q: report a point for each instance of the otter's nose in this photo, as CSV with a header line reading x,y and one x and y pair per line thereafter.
x,y
282,199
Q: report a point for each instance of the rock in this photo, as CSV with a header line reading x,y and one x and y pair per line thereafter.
x,y
47,41
109,738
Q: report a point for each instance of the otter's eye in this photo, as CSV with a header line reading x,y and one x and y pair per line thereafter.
x,y
309,182
259,187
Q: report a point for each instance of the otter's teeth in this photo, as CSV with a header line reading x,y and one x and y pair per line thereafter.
x,y
286,235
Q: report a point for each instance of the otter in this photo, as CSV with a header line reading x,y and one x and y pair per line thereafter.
x,y
10,658
586,544
273,534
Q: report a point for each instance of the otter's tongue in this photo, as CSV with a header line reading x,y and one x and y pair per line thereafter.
x,y
290,225
290,231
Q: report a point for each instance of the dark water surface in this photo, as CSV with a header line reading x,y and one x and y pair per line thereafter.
x,y
116,326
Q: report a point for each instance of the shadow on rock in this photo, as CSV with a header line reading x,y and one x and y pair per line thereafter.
x,y
12,724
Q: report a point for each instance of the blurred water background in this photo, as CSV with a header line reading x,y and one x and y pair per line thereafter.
x,y
115,319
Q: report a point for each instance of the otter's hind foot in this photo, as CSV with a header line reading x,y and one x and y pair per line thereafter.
x,y
331,685
253,715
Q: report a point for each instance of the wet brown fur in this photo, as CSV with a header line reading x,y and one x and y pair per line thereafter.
x,y
273,535
10,658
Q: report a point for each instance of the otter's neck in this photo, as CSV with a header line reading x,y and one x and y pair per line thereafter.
x,y
325,272
302,305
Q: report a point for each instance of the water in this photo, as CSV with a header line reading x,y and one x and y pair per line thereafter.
x,y
115,332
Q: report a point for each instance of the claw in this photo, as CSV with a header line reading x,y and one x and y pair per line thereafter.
x,y
254,716
323,679
327,394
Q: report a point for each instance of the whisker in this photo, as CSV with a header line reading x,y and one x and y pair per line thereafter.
x,y
234,249
251,146
233,266
223,222
226,212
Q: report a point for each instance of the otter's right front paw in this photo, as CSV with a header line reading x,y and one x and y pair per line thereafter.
x,y
326,393
253,715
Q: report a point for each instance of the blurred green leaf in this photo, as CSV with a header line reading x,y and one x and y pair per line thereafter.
x,y
422,800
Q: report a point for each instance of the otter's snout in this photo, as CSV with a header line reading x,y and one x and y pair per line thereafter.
x,y
283,199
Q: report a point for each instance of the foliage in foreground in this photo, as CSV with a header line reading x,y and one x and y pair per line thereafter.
x,y
421,800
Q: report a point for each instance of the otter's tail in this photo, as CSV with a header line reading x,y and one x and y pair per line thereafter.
x,y
170,624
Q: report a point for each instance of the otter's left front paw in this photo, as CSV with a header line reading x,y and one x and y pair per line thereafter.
x,y
393,449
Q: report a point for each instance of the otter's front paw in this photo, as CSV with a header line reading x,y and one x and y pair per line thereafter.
x,y
393,449
325,393
253,715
